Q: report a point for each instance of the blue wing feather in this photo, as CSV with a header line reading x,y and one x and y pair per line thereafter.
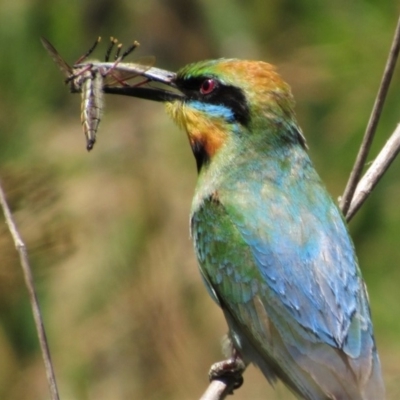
x,y
305,256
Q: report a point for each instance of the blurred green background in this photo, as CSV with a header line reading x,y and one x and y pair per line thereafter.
x,y
126,313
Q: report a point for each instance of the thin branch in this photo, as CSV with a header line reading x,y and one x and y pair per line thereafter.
x,y
375,173
23,255
372,123
219,389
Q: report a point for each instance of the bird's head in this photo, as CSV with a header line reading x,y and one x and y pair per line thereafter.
x,y
226,103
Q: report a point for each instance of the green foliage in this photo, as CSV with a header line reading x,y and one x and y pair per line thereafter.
x,y
107,232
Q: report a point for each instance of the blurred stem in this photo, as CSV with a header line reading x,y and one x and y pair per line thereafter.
x,y
372,123
23,255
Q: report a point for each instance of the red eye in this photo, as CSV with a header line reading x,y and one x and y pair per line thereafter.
x,y
208,86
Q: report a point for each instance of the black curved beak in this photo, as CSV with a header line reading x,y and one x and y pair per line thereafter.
x,y
164,89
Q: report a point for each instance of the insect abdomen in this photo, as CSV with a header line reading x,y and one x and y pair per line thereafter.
x,y
92,105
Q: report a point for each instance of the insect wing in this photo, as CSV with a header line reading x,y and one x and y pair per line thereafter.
x,y
116,76
64,67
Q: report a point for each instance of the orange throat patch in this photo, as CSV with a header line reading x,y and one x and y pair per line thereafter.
x,y
204,132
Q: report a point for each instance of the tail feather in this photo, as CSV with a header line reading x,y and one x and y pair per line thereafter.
x,y
313,371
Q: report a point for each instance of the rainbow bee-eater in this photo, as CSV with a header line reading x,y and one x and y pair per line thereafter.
x,y
272,246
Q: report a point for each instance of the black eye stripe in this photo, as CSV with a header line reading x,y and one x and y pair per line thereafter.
x,y
191,84
229,96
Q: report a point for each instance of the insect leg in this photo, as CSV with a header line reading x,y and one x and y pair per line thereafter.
x,y
113,42
89,52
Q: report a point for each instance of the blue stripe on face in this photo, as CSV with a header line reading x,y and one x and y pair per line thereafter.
x,y
213,110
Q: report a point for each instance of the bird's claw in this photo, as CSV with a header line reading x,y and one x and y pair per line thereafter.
x,y
228,370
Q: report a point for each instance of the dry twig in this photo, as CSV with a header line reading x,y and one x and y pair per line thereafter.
x,y
23,256
372,123
375,172
219,389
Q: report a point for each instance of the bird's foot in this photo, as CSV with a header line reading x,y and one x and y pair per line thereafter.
x,y
229,371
